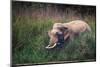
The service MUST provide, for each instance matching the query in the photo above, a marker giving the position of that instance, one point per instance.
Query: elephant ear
(63, 29)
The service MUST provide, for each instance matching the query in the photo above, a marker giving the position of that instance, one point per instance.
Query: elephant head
(57, 35)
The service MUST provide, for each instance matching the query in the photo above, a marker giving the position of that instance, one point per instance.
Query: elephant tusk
(49, 47)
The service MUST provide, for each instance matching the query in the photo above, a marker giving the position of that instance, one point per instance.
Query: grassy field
(31, 22)
(30, 39)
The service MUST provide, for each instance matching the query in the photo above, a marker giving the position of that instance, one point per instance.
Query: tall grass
(30, 38)
(30, 24)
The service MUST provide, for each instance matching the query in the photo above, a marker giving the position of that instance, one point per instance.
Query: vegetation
(30, 25)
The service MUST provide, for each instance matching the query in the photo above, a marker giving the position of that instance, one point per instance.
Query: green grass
(30, 39)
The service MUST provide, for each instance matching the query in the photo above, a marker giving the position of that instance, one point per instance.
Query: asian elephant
(62, 31)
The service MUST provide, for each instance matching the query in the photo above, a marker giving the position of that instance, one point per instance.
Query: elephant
(63, 31)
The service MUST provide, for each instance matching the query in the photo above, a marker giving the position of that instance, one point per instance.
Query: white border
(5, 33)
(85, 2)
